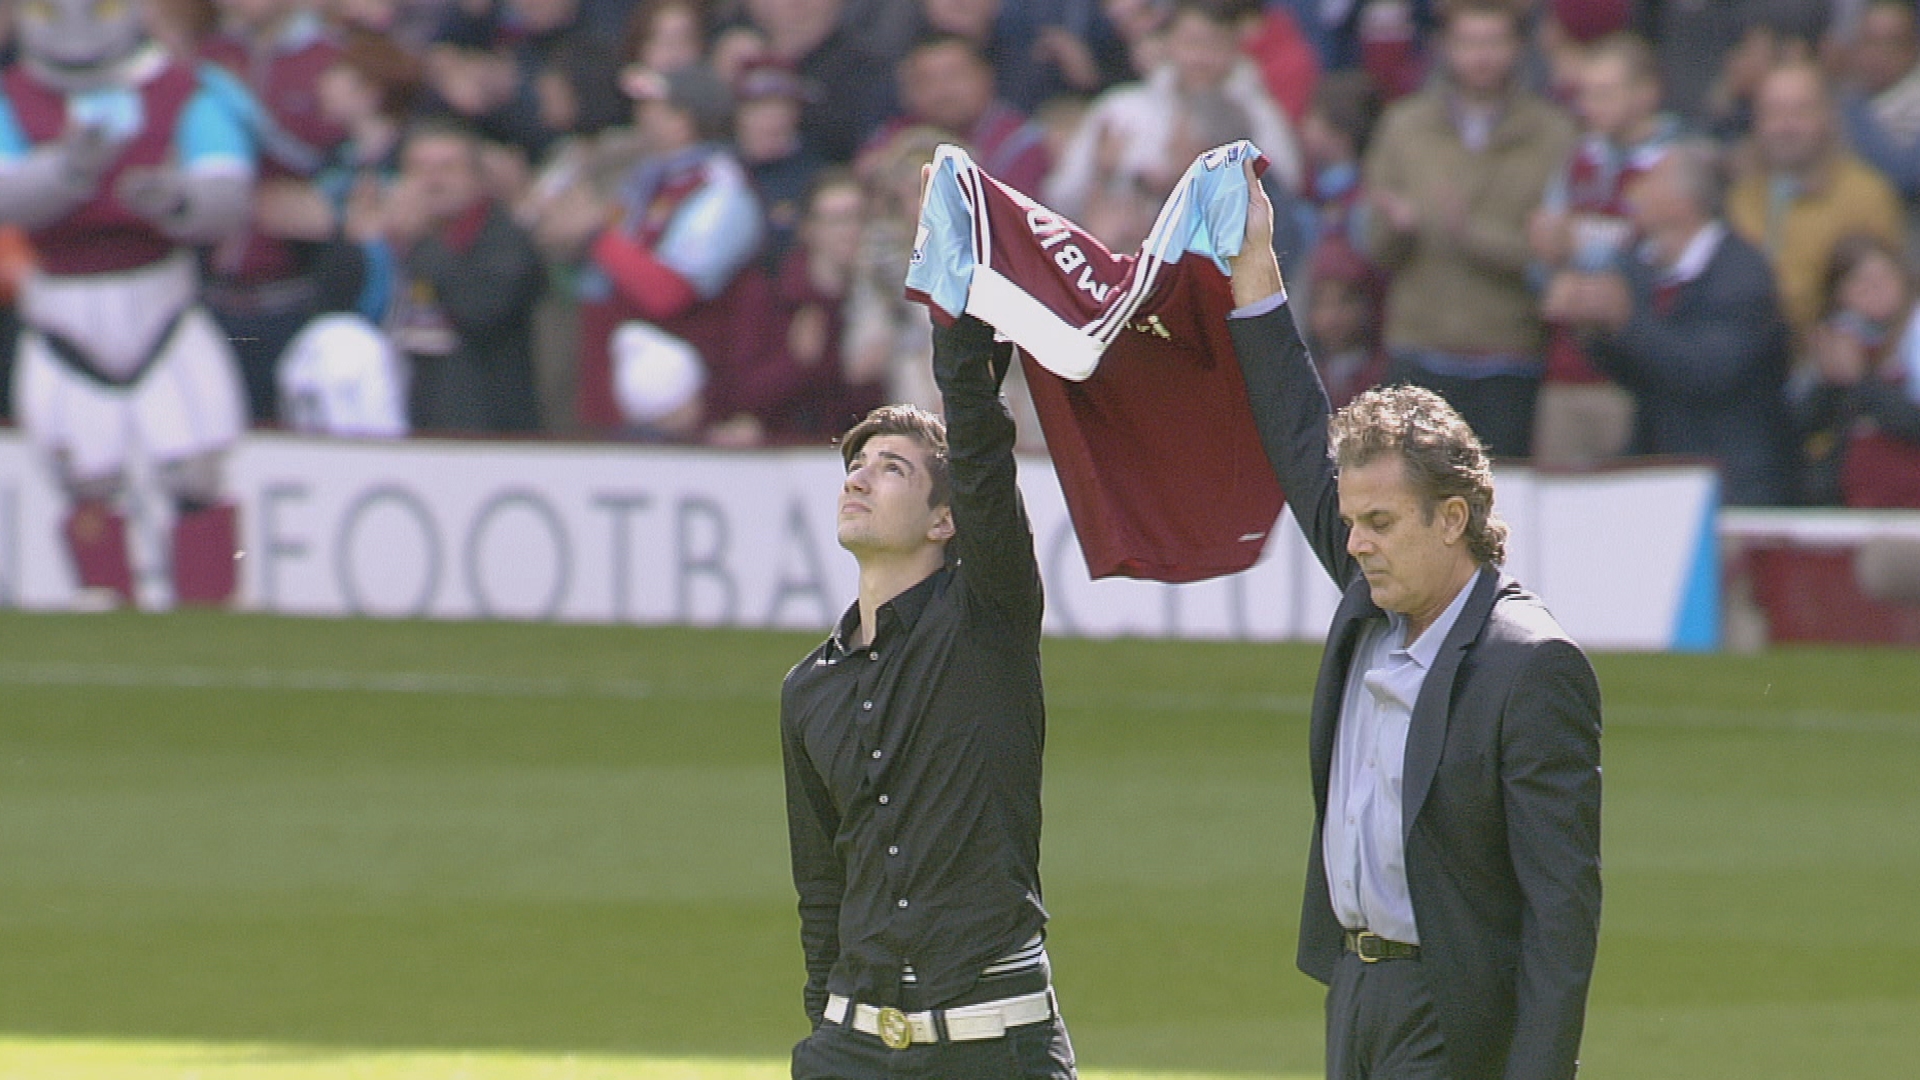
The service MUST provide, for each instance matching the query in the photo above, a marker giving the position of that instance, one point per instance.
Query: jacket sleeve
(1704, 353)
(818, 877)
(992, 535)
(1550, 778)
(1290, 411)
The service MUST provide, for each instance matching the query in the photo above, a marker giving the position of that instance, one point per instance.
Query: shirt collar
(1426, 647)
(904, 609)
(1695, 256)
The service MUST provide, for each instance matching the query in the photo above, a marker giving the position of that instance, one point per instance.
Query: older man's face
(1792, 120)
(1403, 545)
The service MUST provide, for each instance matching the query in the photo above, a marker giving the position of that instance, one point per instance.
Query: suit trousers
(1030, 1052)
(1381, 1023)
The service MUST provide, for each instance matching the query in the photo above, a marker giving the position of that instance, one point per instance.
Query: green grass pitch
(279, 849)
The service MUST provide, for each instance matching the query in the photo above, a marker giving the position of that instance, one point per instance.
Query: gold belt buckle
(894, 1029)
(1360, 942)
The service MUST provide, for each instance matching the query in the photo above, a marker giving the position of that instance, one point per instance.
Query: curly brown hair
(1442, 456)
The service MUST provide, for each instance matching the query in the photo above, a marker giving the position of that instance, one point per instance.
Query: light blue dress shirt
(1362, 842)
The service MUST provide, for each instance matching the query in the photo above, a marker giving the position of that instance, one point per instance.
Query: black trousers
(1499, 408)
(1032, 1052)
(1381, 1023)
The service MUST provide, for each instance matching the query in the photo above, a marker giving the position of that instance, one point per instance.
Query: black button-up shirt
(913, 764)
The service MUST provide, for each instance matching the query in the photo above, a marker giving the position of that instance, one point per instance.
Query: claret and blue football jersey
(1127, 357)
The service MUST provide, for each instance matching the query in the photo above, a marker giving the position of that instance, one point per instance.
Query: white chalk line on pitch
(177, 677)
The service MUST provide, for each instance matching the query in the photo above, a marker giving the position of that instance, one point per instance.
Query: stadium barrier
(650, 535)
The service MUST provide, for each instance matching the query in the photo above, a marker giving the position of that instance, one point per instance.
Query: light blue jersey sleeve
(1213, 222)
(713, 234)
(941, 268)
(14, 145)
(212, 131)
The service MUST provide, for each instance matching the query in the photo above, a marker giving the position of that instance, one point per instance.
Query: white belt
(967, 1023)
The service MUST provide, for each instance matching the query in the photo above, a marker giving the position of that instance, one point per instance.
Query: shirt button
(893, 849)
(883, 800)
(876, 755)
(875, 655)
(903, 901)
(866, 705)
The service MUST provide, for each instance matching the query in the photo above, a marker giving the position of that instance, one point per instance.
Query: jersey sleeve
(14, 144)
(713, 235)
(212, 134)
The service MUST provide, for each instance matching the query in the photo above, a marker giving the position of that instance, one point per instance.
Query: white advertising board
(613, 533)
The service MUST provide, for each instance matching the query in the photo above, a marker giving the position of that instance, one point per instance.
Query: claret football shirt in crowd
(1127, 357)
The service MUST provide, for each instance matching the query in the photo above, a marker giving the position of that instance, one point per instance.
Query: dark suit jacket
(1709, 372)
(1501, 788)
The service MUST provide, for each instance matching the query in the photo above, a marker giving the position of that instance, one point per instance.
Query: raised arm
(1290, 407)
(991, 533)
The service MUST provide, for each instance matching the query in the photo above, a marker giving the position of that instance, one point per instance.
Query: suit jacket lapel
(1427, 730)
(1356, 607)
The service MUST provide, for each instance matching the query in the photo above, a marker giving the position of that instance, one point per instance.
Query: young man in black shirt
(912, 741)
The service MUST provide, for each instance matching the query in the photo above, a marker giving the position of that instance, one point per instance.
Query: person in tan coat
(1802, 191)
(1454, 175)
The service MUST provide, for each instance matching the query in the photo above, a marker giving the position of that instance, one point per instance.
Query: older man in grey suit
(1453, 883)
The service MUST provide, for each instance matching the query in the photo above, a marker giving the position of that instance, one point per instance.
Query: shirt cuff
(1260, 307)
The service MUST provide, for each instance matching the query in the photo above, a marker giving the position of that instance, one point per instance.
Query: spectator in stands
(1691, 325)
(768, 98)
(1775, 33)
(1583, 417)
(688, 223)
(527, 72)
(1334, 139)
(258, 286)
(1697, 44)
(1141, 26)
(1859, 410)
(1565, 33)
(794, 383)
(366, 93)
(1039, 49)
(667, 35)
(1271, 36)
(1123, 142)
(947, 84)
(1343, 323)
(1881, 101)
(847, 98)
(1453, 178)
(1804, 189)
(469, 278)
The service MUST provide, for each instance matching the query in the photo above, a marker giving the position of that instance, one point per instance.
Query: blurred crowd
(1601, 228)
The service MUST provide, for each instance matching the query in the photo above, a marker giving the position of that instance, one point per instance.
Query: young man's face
(1481, 51)
(446, 167)
(884, 500)
(1613, 100)
(1403, 549)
